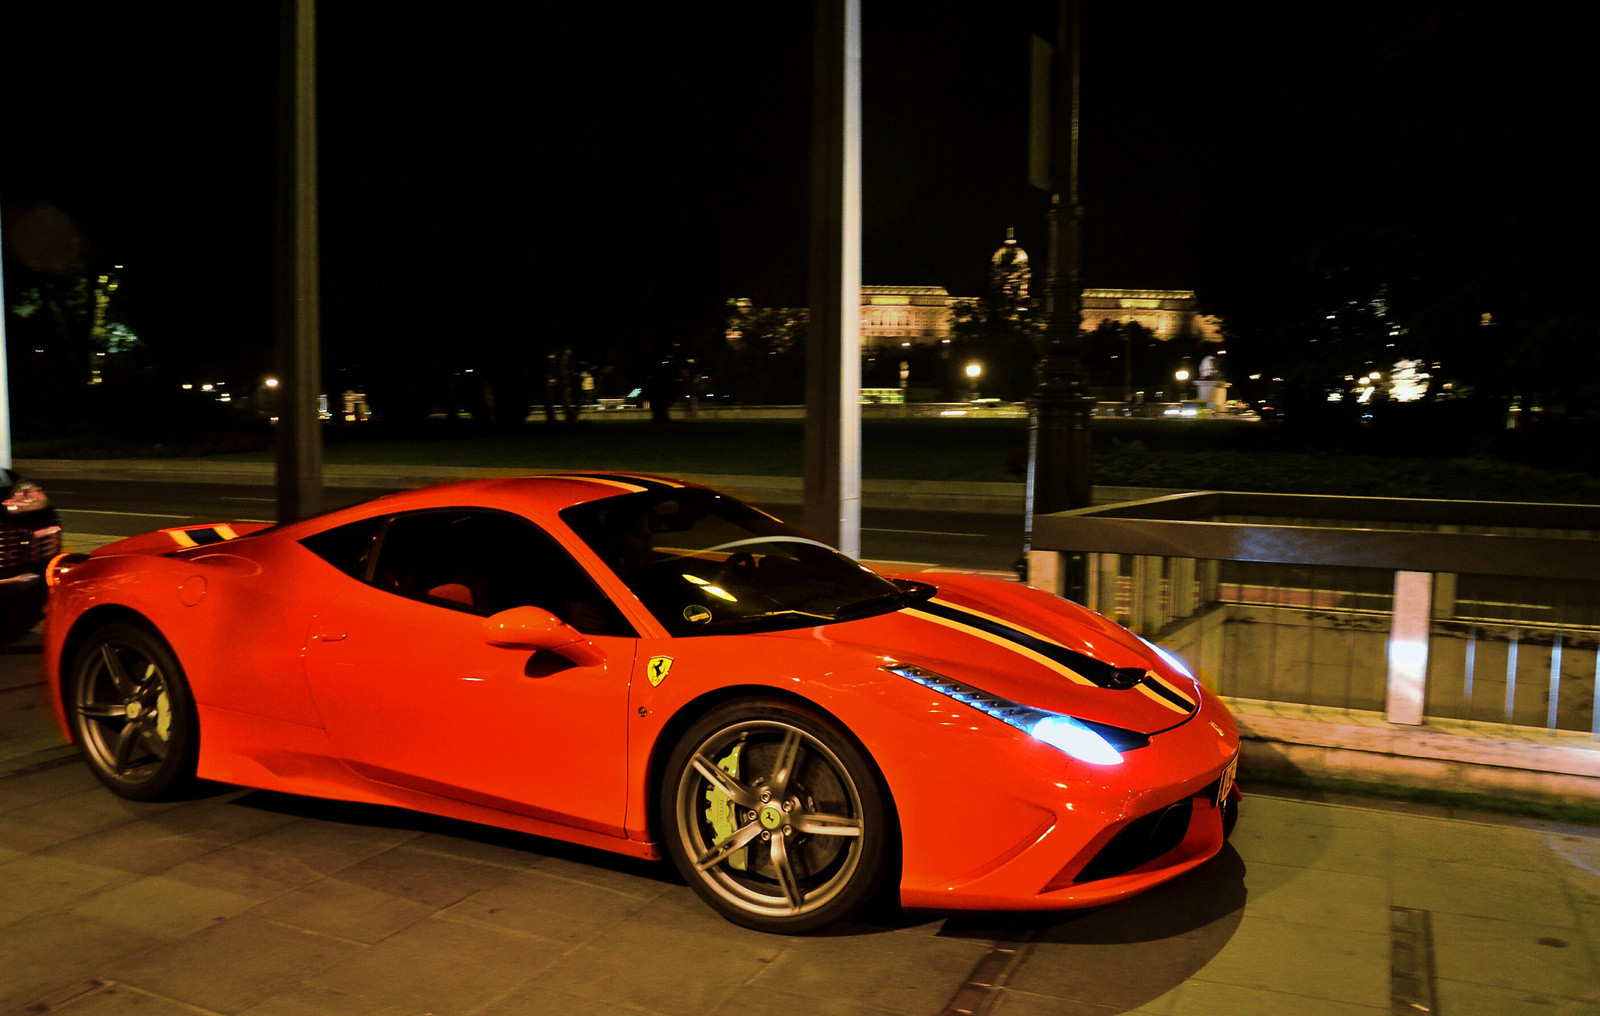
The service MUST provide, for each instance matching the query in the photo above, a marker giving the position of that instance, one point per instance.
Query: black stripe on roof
(1097, 671)
(204, 536)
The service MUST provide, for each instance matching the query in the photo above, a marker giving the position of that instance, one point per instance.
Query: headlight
(1175, 663)
(25, 497)
(1085, 741)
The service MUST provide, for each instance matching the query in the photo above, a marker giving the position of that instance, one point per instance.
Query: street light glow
(1182, 375)
(272, 382)
(974, 370)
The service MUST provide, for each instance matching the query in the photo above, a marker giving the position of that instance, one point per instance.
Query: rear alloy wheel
(774, 817)
(132, 714)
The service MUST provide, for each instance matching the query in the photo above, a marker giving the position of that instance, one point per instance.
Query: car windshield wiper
(770, 615)
(894, 599)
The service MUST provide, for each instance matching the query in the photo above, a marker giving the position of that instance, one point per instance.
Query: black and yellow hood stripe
(1077, 667)
(199, 536)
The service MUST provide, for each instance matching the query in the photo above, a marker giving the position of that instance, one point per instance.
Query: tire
(132, 714)
(775, 846)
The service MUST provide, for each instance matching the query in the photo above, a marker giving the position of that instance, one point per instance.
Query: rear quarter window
(347, 547)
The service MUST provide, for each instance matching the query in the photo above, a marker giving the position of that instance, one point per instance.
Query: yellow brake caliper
(719, 810)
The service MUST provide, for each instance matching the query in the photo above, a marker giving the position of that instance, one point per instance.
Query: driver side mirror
(533, 629)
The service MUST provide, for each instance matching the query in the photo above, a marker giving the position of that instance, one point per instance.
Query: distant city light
(187, 387)
(1182, 375)
(272, 382)
(974, 370)
(207, 388)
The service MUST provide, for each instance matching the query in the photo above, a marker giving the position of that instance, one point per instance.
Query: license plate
(1226, 783)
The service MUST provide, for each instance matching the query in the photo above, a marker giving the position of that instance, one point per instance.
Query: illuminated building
(1165, 313)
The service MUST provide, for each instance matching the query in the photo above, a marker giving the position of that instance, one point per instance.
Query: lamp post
(1060, 409)
(974, 372)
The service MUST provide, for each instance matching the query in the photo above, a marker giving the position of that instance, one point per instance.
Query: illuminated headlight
(25, 497)
(1172, 660)
(1073, 736)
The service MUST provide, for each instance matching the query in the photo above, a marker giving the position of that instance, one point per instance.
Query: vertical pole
(1058, 461)
(1408, 646)
(5, 383)
(833, 354)
(299, 349)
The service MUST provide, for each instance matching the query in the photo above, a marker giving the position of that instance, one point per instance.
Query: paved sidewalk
(252, 902)
(249, 902)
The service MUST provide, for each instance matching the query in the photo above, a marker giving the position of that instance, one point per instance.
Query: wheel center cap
(133, 710)
(770, 817)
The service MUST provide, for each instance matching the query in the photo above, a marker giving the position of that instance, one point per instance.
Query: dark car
(30, 536)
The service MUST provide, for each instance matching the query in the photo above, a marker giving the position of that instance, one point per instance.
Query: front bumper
(1126, 829)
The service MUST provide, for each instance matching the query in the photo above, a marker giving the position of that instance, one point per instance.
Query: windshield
(704, 563)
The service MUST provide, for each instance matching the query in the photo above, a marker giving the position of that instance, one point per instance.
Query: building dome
(1010, 255)
(1009, 274)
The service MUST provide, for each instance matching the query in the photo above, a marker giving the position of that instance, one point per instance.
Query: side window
(485, 562)
(347, 547)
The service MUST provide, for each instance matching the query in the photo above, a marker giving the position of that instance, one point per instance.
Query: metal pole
(299, 348)
(5, 383)
(1059, 412)
(832, 510)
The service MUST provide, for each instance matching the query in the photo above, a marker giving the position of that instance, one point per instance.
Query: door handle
(329, 636)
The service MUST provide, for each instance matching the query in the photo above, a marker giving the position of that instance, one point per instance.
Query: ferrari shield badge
(657, 669)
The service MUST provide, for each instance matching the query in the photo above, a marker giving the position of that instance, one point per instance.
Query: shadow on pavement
(385, 817)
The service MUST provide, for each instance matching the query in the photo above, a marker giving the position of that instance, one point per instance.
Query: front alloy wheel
(131, 712)
(774, 817)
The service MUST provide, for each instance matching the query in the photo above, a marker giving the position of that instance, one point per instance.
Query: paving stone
(1277, 810)
(535, 1000)
(653, 962)
(1205, 998)
(892, 972)
(233, 964)
(243, 870)
(440, 965)
(55, 951)
(1543, 958)
(1467, 997)
(1359, 850)
(1021, 1003)
(1333, 899)
(432, 880)
(552, 908)
(32, 885)
(139, 848)
(335, 907)
(306, 1000)
(328, 847)
(116, 999)
(1304, 959)
(160, 906)
(1117, 973)
(1487, 846)
(1512, 894)
(1576, 857)
(50, 784)
(767, 999)
(627, 875)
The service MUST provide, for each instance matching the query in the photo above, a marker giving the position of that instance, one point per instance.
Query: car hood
(1032, 648)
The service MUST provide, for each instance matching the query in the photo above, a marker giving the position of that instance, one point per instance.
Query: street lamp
(974, 371)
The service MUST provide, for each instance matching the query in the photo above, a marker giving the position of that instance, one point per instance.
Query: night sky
(491, 172)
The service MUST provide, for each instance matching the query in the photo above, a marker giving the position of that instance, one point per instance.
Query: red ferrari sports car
(652, 668)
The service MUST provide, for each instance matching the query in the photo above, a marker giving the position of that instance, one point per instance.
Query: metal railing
(1462, 610)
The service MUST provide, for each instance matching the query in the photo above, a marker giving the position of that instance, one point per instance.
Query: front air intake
(1140, 841)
